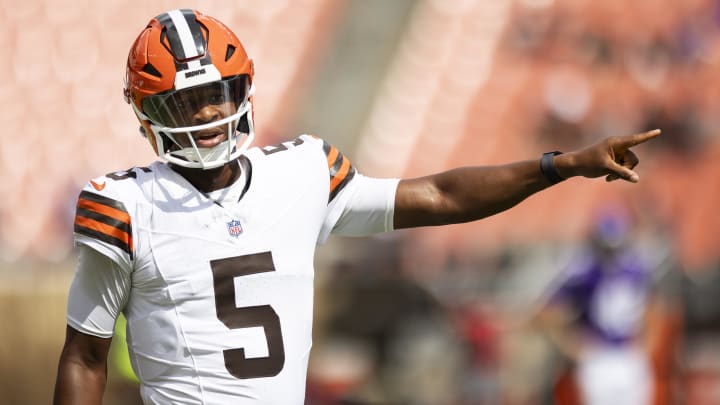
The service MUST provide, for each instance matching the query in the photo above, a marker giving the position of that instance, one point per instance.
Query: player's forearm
(79, 384)
(466, 194)
(479, 192)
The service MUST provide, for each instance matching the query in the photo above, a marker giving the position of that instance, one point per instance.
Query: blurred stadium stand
(405, 88)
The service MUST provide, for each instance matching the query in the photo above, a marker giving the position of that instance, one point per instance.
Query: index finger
(637, 139)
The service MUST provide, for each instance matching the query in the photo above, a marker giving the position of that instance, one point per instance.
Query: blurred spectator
(386, 341)
(701, 358)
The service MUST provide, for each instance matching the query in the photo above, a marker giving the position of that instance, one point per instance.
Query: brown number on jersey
(224, 272)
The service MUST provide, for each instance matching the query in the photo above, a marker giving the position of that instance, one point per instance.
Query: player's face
(211, 105)
(198, 106)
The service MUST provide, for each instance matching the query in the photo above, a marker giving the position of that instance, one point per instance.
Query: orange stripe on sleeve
(341, 174)
(106, 229)
(332, 156)
(111, 212)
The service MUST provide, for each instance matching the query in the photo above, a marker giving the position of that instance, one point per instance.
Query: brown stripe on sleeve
(111, 212)
(114, 207)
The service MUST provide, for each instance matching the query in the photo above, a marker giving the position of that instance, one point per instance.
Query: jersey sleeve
(357, 205)
(98, 293)
(103, 220)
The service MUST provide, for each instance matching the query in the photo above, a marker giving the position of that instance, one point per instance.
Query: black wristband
(547, 167)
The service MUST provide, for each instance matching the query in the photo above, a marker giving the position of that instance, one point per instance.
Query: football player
(208, 252)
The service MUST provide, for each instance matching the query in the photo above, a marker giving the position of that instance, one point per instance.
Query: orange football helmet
(182, 61)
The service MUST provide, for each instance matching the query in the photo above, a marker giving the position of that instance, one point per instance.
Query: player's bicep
(82, 370)
(419, 202)
(97, 295)
(84, 348)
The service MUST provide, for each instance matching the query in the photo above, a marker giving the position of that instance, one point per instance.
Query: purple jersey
(609, 293)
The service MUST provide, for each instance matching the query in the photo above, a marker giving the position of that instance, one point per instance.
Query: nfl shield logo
(234, 228)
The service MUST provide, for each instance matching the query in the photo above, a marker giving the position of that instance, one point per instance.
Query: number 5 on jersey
(224, 273)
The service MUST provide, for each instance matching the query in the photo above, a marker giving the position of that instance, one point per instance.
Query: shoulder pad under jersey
(340, 170)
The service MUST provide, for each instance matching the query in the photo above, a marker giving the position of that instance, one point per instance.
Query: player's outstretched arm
(470, 193)
(82, 372)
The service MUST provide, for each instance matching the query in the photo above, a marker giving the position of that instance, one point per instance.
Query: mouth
(208, 139)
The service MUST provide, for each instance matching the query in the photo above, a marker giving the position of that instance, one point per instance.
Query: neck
(210, 179)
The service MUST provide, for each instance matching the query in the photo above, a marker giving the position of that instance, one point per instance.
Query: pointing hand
(610, 157)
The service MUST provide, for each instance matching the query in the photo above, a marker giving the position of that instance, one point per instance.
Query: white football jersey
(220, 299)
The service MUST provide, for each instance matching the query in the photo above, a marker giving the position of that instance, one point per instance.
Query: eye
(180, 102)
(216, 98)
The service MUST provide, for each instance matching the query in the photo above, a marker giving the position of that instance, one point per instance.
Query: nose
(206, 114)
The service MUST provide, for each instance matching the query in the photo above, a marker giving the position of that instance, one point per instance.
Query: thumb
(622, 172)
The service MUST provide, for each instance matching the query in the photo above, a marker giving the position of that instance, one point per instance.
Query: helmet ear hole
(168, 143)
(243, 125)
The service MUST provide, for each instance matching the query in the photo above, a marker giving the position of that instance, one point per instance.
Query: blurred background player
(599, 317)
